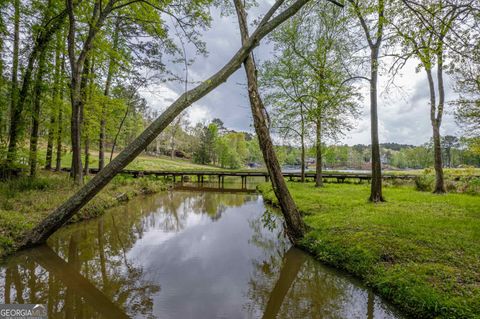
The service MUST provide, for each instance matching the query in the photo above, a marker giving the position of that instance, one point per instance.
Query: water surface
(183, 254)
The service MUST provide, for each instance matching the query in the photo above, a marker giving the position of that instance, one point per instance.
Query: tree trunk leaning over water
(295, 227)
(64, 212)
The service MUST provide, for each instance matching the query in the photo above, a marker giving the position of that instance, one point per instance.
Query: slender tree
(427, 41)
(374, 33)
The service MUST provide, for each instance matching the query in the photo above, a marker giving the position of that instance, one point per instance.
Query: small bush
(424, 183)
(472, 186)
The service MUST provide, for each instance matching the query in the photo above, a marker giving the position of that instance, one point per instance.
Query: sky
(404, 110)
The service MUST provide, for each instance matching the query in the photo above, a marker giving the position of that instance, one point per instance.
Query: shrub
(472, 186)
(424, 183)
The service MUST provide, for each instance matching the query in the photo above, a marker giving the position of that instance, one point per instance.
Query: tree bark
(295, 227)
(64, 212)
(58, 164)
(376, 185)
(87, 156)
(302, 142)
(374, 42)
(36, 114)
(318, 150)
(437, 148)
(56, 102)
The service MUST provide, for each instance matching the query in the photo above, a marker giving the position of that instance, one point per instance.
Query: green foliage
(26, 201)
(425, 182)
(419, 250)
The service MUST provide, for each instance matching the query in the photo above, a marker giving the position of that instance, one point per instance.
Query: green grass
(142, 162)
(25, 201)
(419, 250)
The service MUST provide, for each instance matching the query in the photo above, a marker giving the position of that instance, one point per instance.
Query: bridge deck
(219, 173)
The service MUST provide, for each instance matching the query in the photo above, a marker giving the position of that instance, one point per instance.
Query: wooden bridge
(184, 176)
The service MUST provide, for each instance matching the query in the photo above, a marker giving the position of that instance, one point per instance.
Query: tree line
(70, 75)
(312, 83)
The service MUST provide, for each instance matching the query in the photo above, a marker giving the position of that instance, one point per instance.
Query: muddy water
(183, 254)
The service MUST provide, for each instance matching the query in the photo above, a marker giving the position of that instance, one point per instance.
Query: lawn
(419, 250)
(142, 162)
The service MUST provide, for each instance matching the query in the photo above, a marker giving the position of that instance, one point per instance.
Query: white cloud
(403, 109)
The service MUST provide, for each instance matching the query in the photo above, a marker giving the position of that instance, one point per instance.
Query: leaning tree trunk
(376, 186)
(40, 233)
(36, 114)
(295, 227)
(318, 151)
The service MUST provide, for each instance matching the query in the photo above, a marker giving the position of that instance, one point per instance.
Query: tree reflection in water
(288, 283)
(223, 262)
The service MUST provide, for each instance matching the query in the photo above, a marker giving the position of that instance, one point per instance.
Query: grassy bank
(25, 201)
(419, 250)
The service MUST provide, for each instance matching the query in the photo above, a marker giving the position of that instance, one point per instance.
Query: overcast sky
(403, 109)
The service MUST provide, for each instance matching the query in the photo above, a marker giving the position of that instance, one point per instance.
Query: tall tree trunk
(108, 83)
(50, 140)
(76, 69)
(437, 148)
(439, 183)
(56, 101)
(78, 95)
(58, 164)
(302, 142)
(14, 88)
(376, 186)
(87, 155)
(295, 227)
(36, 114)
(318, 151)
(40, 233)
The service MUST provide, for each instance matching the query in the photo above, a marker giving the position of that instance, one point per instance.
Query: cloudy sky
(403, 108)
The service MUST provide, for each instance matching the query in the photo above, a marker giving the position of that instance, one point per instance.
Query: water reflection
(182, 255)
